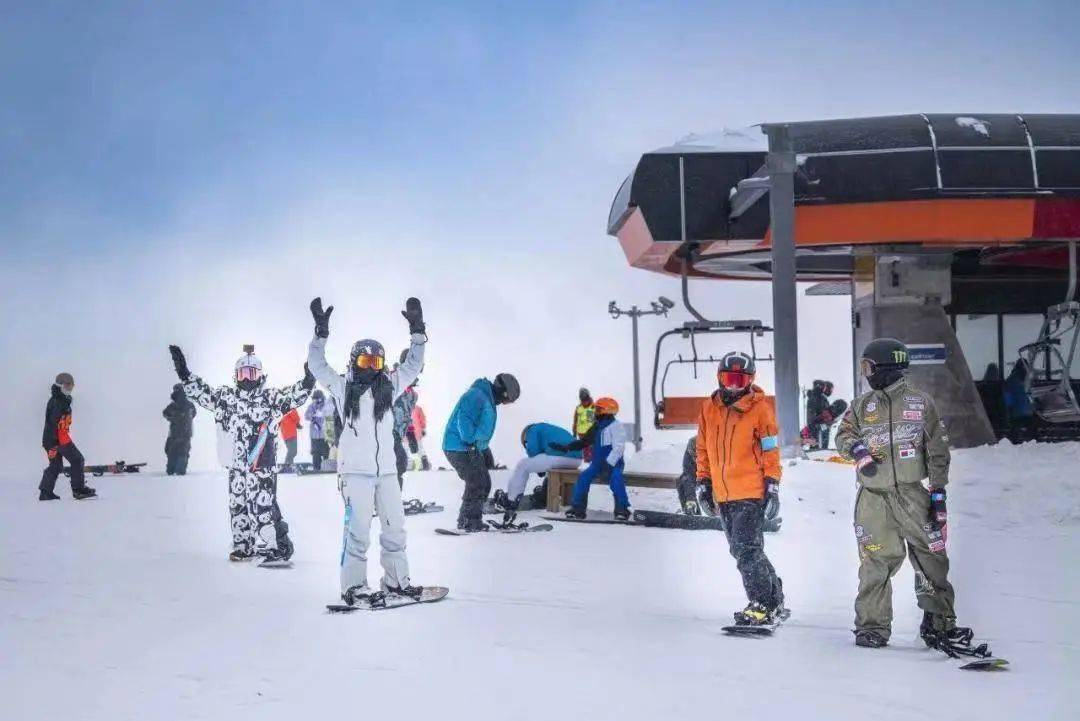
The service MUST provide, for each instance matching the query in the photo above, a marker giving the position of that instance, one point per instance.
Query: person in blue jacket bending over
(540, 457)
(466, 439)
(608, 439)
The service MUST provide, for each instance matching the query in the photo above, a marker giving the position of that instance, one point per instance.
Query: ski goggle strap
(365, 361)
(734, 379)
(248, 373)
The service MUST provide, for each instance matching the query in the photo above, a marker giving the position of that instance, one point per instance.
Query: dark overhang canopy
(964, 181)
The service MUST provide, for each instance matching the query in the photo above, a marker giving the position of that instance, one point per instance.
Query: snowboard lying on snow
(659, 519)
(499, 528)
(414, 507)
(115, 468)
(430, 594)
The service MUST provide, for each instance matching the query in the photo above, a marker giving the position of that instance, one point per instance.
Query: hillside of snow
(125, 607)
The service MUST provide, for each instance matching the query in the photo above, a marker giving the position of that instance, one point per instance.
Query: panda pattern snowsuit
(251, 419)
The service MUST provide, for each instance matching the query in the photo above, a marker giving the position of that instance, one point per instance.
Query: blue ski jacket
(539, 435)
(472, 422)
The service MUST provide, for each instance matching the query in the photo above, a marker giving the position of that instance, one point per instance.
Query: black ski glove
(178, 361)
(772, 498)
(560, 447)
(864, 462)
(415, 315)
(309, 379)
(322, 318)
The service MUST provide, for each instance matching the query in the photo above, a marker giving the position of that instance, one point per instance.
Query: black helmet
(369, 349)
(507, 389)
(884, 354)
(583, 394)
(736, 371)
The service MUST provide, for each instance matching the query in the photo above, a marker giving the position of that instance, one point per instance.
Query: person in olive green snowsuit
(896, 439)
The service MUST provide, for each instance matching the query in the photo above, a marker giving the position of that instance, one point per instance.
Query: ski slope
(126, 608)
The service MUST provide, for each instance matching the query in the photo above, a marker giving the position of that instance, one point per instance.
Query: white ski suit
(367, 469)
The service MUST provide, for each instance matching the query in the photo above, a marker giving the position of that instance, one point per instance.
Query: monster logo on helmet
(884, 361)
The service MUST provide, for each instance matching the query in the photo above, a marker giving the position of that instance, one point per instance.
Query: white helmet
(248, 368)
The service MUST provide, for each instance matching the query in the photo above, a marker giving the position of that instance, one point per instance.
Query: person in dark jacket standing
(465, 442)
(56, 440)
(179, 413)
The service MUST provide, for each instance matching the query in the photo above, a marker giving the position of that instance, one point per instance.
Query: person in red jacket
(290, 423)
(56, 440)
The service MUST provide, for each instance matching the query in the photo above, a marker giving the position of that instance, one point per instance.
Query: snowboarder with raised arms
(367, 466)
(895, 437)
(249, 413)
(738, 456)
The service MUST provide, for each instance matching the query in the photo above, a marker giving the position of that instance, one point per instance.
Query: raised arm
(409, 370)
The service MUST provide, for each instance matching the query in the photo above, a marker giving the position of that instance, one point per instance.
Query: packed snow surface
(125, 607)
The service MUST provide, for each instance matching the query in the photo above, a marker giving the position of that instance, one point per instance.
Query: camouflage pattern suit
(902, 430)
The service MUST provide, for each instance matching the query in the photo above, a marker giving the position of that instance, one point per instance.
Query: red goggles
(374, 362)
(734, 379)
(248, 373)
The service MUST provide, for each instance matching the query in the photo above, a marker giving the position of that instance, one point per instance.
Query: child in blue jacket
(608, 440)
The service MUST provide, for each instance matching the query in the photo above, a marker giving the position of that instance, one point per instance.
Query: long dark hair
(382, 392)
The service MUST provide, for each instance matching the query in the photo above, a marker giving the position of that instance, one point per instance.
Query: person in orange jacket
(290, 423)
(738, 457)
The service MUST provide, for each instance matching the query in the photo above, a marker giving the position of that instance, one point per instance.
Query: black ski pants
(177, 452)
(75, 459)
(744, 523)
(471, 468)
(401, 458)
(320, 449)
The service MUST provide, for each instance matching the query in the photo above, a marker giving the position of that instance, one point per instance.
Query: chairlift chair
(1050, 388)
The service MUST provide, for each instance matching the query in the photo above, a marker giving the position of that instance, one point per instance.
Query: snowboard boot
(286, 547)
(275, 558)
(576, 512)
(472, 525)
(500, 500)
(47, 496)
(356, 594)
(425, 464)
(933, 637)
(870, 639)
(240, 556)
(755, 614)
(413, 506)
(80, 494)
(622, 513)
(409, 591)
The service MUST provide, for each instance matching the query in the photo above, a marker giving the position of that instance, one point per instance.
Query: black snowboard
(597, 517)
(430, 594)
(762, 630)
(307, 469)
(114, 468)
(661, 519)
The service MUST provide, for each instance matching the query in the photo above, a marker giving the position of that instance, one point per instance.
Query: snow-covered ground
(126, 608)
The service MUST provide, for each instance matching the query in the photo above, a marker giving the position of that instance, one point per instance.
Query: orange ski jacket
(738, 446)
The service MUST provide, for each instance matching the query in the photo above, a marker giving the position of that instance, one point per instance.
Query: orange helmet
(606, 406)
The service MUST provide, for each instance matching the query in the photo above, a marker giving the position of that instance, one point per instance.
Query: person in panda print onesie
(249, 413)
(367, 465)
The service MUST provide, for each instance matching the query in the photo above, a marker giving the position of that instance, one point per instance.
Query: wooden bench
(561, 482)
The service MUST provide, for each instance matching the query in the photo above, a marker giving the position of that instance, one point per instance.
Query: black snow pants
(743, 523)
(75, 459)
(320, 449)
(471, 468)
(177, 452)
(401, 458)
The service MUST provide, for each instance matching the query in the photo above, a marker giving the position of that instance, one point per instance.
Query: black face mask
(382, 392)
(247, 385)
(882, 378)
(730, 396)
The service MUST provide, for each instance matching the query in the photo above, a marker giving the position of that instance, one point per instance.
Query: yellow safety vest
(583, 419)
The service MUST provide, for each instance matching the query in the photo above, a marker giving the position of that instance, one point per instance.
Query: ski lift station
(954, 233)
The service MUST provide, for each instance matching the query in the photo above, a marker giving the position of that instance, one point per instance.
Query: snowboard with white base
(429, 594)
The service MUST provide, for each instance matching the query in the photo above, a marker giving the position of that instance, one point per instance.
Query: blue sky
(170, 169)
